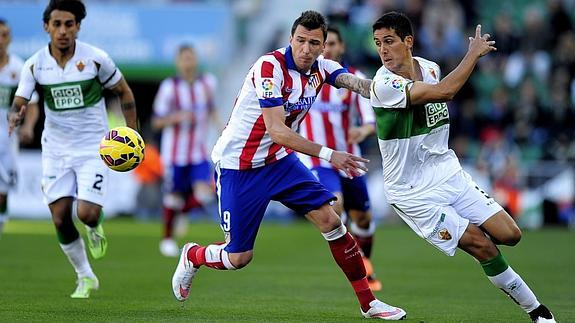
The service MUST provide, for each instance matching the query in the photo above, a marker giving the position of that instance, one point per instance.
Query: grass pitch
(291, 279)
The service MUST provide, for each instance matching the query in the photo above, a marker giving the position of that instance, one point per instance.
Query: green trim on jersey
(410, 122)
(72, 95)
(7, 95)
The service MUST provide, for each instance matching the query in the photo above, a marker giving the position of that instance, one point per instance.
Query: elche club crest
(80, 65)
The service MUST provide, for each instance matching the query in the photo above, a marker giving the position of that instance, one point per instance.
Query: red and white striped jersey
(330, 117)
(272, 81)
(185, 143)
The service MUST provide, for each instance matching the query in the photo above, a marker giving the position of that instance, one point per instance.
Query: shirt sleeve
(390, 91)
(108, 74)
(332, 70)
(268, 80)
(211, 84)
(27, 81)
(164, 98)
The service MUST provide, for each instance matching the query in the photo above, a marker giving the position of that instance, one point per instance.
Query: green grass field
(292, 278)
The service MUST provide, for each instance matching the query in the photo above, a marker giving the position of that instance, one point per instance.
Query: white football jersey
(75, 111)
(413, 139)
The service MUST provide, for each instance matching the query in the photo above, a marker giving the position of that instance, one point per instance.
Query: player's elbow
(277, 135)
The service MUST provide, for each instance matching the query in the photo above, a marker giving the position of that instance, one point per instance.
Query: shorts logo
(68, 97)
(444, 234)
(437, 227)
(267, 86)
(435, 112)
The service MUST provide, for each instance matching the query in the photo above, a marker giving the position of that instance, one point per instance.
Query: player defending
(255, 163)
(330, 122)
(71, 76)
(182, 109)
(423, 179)
(10, 67)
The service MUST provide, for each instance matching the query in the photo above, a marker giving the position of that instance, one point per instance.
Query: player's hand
(350, 164)
(480, 45)
(15, 118)
(26, 134)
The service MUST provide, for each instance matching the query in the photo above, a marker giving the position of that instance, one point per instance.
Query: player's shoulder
(429, 68)
(15, 60)
(275, 57)
(383, 74)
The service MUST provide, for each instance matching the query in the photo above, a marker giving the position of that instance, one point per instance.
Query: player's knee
(90, 214)
(240, 260)
(513, 237)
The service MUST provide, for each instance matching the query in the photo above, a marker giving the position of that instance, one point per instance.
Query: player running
(331, 123)
(71, 76)
(423, 179)
(10, 67)
(183, 108)
(255, 163)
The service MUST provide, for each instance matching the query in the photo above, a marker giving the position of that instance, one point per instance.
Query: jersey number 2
(98, 183)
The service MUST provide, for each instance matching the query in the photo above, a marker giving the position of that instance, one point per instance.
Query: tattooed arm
(354, 83)
(122, 89)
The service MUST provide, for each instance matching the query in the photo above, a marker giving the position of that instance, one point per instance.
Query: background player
(331, 122)
(183, 107)
(71, 76)
(255, 163)
(424, 181)
(10, 67)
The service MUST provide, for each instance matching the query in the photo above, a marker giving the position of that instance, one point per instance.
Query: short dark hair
(76, 7)
(335, 30)
(185, 47)
(396, 21)
(3, 22)
(311, 20)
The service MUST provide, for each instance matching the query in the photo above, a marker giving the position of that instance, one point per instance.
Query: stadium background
(511, 127)
(511, 123)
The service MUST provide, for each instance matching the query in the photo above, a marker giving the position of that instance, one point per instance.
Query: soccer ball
(122, 149)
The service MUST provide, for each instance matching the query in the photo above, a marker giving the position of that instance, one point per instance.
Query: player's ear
(408, 41)
(46, 27)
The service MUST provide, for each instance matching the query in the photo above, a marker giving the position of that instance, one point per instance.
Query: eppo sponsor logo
(68, 97)
(303, 104)
(435, 112)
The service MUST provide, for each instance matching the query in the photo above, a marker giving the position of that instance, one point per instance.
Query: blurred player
(10, 67)
(331, 123)
(72, 75)
(183, 107)
(423, 180)
(255, 163)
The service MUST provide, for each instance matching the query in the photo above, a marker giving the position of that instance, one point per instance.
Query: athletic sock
(76, 253)
(348, 257)
(503, 276)
(213, 256)
(364, 237)
(168, 216)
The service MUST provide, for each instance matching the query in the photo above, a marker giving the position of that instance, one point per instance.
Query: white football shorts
(442, 214)
(7, 171)
(83, 178)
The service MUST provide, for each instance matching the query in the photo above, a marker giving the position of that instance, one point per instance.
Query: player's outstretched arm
(281, 134)
(16, 113)
(445, 90)
(354, 83)
(122, 89)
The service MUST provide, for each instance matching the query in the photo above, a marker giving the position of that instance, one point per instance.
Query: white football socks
(514, 286)
(76, 253)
